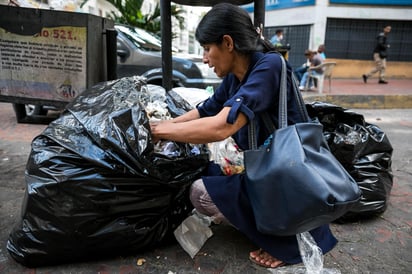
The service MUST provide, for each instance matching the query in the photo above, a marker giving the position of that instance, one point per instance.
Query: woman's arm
(198, 131)
(188, 116)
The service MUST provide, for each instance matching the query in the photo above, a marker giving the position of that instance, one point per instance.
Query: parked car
(139, 53)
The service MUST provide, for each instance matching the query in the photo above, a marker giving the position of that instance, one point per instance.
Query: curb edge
(364, 101)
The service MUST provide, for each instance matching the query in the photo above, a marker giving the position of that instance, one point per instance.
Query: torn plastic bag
(364, 150)
(97, 186)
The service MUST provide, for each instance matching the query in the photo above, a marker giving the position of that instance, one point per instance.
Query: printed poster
(50, 64)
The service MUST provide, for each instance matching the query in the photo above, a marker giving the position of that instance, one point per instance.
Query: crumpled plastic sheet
(312, 258)
(364, 150)
(96, 184)
(227, 155)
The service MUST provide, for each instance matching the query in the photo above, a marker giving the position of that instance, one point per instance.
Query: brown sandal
(262, 255)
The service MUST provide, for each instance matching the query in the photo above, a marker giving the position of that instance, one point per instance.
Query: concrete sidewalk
(353, 93)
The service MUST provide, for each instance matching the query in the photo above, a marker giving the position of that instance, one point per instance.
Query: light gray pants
(380, 66)
(203, 203)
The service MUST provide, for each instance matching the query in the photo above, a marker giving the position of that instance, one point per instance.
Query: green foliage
(131, 14)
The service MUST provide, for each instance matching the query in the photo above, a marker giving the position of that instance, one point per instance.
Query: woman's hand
(156, 126)
(197, 131)
(154, 130)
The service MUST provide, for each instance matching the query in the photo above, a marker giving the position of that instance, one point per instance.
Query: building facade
(348, 29)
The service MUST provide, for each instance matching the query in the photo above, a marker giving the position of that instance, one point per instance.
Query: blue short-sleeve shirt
(257, 93)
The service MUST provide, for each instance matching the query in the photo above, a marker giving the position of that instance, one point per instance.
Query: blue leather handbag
(295, 183)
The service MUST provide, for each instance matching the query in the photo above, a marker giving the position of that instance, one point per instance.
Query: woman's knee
(197, 191)
(203, 203)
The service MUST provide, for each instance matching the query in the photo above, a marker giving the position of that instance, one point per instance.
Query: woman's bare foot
(264, 259)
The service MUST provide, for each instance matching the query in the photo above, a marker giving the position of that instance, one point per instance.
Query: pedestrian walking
(379, 55)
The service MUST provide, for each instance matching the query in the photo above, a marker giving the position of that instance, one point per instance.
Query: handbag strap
(299, 100)
(283, 95)
(270, 126)
(283, 116)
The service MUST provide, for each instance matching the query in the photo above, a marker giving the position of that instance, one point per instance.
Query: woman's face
(218, 57)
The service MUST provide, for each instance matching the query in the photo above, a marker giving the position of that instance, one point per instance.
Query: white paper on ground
(192, 233)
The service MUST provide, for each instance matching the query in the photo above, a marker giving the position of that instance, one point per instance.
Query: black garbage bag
(365, 152)
(96, 184)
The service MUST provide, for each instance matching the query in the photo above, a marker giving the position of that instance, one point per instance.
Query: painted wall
(355, 68)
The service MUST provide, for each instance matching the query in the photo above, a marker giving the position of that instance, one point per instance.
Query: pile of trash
(97, 185)
(366, 153)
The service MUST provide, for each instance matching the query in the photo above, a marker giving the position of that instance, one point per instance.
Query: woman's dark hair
(229, 19)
